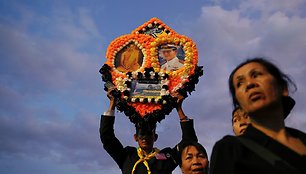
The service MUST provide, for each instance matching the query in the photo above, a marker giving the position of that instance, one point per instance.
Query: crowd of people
(261, 142)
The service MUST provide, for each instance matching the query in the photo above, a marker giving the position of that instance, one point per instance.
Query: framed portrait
(129, 58)
(171, 57)
(146, 88)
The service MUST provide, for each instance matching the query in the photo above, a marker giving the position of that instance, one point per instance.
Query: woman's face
(193, 161)
(256, 88)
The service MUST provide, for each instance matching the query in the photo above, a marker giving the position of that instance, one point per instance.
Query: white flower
(165, 82)
(163, 92)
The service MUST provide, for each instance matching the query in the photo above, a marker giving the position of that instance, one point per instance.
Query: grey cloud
(227, 37)
(67, 142)
(266, 8)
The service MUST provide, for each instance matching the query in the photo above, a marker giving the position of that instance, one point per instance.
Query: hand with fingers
(179, 102)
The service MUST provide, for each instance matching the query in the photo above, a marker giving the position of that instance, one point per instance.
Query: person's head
(168, 51)
(145, 136)
(131, 46)
(258, 84)
(193, 158)
(240, 121)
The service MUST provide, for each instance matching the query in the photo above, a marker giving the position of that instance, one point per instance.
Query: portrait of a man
(169, 54)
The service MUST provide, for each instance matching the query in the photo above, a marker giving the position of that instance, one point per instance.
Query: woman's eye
(188, 157)
(202, 156)
(256, 74)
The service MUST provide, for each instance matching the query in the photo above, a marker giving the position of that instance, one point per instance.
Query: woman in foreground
(267, 146)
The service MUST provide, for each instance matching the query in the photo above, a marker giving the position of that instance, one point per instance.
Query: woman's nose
(196, 160)
(250, 84)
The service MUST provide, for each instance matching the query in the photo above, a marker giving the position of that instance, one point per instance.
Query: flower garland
(180, 76)
(148, 38)
(154, 23)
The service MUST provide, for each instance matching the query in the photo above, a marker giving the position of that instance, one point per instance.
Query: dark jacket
(230, 156)
(126, 157)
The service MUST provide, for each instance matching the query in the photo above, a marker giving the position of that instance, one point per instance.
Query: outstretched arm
(188, 132)
(179, 108)
(110, 143)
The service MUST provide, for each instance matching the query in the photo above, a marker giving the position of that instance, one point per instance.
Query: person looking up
(240, 121)
(194, 158)
(261, 89)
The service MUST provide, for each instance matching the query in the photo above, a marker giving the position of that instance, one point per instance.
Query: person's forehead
(191, 150)
(145, 132)
(167, 50)
(247, 69)
(238, 112)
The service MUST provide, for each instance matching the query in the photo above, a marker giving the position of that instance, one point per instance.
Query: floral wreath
(142, 87)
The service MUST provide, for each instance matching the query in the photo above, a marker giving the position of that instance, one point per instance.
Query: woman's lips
(198, 170)
(254, 96)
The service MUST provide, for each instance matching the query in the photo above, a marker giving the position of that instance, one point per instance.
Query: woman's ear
(285, 91)
(135, 137)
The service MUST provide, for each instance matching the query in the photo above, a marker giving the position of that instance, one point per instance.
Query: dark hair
(145, 128)
(282, 79)
(183, 145)
(233, 112)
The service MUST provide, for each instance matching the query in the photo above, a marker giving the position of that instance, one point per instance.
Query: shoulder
(130, 150)
(226, 140)
(227, 144)
(166, 150)
(297, 133)
(224, 155)
(169, 152)
(176, 60)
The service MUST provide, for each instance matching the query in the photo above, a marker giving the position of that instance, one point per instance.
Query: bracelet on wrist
(185, 119)
(109, 113)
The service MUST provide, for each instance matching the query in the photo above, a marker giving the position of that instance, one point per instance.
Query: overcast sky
(51, 93)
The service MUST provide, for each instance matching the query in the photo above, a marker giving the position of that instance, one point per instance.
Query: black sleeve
(110, 143)
(223, 156)
(188, 132)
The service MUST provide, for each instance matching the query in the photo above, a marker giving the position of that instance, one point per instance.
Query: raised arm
(187, 128)
(110, 143)
(188, 132)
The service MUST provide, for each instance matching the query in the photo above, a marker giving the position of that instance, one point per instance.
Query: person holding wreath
(145, 158)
